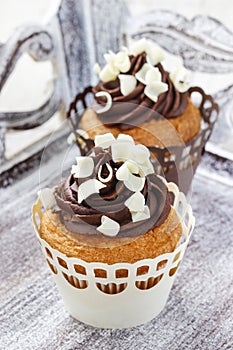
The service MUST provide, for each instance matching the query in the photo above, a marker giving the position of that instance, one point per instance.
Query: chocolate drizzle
(170, 104)
(84, 218)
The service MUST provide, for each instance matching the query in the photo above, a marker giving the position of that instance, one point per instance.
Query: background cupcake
(153, 95)
(138, 97)
(113, 227)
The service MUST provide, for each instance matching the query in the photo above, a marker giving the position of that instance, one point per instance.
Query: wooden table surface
(199, 311)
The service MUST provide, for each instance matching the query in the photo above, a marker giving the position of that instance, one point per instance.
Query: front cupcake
(139, 96)
(112, 234)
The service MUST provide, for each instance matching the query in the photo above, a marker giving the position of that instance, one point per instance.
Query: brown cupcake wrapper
(176, 163)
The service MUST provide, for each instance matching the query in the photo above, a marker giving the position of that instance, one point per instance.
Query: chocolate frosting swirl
(170, 104)
(84, 218)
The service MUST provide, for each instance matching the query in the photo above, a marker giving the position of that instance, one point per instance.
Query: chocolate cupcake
(136, 96)
(140, 96)
(112, 224)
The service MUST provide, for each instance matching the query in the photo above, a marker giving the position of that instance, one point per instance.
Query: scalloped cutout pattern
(122, 277)
(111, 288)
(173, 270)
(52, 267)
(149, 283)
(75, 282)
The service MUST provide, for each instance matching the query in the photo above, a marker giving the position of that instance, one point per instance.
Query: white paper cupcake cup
(113, 302)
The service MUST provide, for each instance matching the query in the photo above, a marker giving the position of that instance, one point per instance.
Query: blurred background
(31, 83)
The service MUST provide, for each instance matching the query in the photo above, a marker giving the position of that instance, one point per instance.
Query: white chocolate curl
(127, 83)
(109, 57)
(121, 151)
(136, 202)
(105, 140)
(116, 63)
(138, 47)
(108, 227)
(146, 168)
(141, 74)
(108, 73)
(140, 153)
(154, 54)
(47, 198)
(126, 138)
(108, 178)
(119, 62)
(180, 77)
(127, 168)
(122, 61)
(88, 188)
(151, 77)
(154, 90)
(132, 166)
(148, 74)
(136, 160)
(141, 215)
(134, 183)
(84, 167)
(122, 173)
(108, 104)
